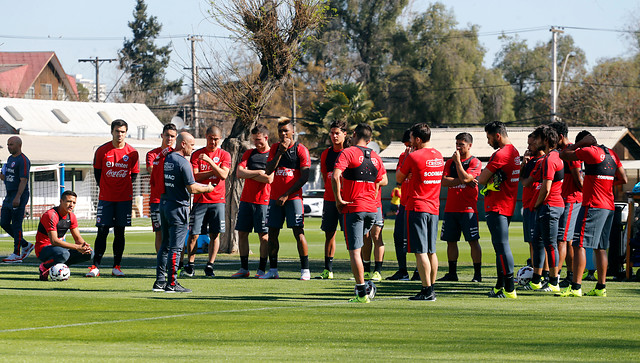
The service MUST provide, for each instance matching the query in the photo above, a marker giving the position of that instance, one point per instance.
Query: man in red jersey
(356, 180)
(532, 160)
(155, 161)
(330, 214)
(603, 170)
(252, 212)
(425, 167)
(51, 249)
(572, 196)
(290, 162)
(548, 208)
(210, 165)
(461, 208)
(115, 166)
(503, 171)
(373, 242)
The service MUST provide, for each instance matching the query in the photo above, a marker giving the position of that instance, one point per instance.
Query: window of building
(31, 93)
(46, 91)
(62, 94)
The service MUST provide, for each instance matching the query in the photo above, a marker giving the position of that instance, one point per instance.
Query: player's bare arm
(197, 188)
(336, 186)
(485, 176)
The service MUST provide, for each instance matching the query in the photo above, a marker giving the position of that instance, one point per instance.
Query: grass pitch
(120, 319)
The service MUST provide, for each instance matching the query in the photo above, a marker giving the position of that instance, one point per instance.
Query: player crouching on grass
(357, 178)
(51, 249)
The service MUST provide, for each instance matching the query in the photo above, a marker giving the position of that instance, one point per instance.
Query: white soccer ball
(524, 275)
(60, 272)
(370, 289)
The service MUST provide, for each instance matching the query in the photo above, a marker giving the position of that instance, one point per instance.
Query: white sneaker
(93, 271)
(305, 274)
(26, 251)
(117, 272)
(271, 274)
(12, 258)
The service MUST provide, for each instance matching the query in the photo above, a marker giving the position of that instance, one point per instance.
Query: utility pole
(96, 62)
(294, 108)
(194, 82)
(554, 71)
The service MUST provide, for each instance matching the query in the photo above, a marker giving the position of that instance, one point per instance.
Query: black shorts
(252, 217)
(330, 217)
(113, 214)
(456, 224)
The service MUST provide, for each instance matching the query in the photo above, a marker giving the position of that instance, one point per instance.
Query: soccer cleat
(242, 273)
(376, 276)
(93, 271)
(259, 273)
(188, 270)
(532, 286)
(26, 251)
(117, 271)
(476, 279)
(360, 299)
(208, 271)
(158, 286)
(271, 274)
(44, 273)
(564, 283)
(424, 297)
(553, 288)
(597, 292)
(416, 276)
(569, 292)
(510, 295)
(399, 275)
(176, 287)
(448, 277)
(325, 275)
(367, 275)
(305, 274)
(496, 293)
(12, 258)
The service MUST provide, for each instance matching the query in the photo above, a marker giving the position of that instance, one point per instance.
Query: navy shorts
(292, 211)
(356, 225)
(528, 223)
(399, 229)
(154, 212)
(567, 223)
(546, 226)
(422, 232)
(593, 228)
(252, 217)
(330, 217)
(455, 224)
(207, 217)
(113, 214)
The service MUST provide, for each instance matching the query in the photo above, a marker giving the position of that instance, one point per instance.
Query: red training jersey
(222, 159)
(506, 159)
(327, 164)
(530, 194)
(552, 168)
(116, 167)
(361, 170)
(570, 192)
(253, 190)
(404, 187)
(462, 198)
(287, 171)
(600, 165)
(51, 221)
(426, 167)
(155, 158)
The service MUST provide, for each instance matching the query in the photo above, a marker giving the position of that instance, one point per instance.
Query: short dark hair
(546, 133)
(582, 134)
(213, 129)
(560, 127)
(340, 124)
(260, 129)
(362, 132)
(495, 127)
(406, 137)
(283, 121)
(118, 123)
(465, 136)
(422, 131)
(168, 127)
(68, 192)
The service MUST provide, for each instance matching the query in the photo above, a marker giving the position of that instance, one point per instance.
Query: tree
(275, 31)
(145, 62)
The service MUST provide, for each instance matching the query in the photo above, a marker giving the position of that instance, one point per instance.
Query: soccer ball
(524, 275)
(370, 289)
(60, 272)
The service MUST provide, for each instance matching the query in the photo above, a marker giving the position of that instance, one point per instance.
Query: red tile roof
(27, 65)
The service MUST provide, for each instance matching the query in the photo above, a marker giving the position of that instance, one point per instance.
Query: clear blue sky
(77, 29)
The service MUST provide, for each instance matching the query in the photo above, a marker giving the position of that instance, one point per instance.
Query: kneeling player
(51, 249)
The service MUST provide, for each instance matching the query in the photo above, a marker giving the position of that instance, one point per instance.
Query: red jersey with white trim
(287, 171)
(51, 221)
(503, 202)
(327, 164)
(116, 166)
(599, 169)
(360, 176)
(155, 158)
(570, 192)
(222, 159)
(462, 198)
(530, 194)
(254, 191)
(426, 167)
(404, 187)
(552, 168)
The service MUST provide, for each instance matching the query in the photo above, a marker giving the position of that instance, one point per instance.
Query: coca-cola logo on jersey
(434, 163)
(116, 173)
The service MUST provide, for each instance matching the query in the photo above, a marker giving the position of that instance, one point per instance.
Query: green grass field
(109, 319)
